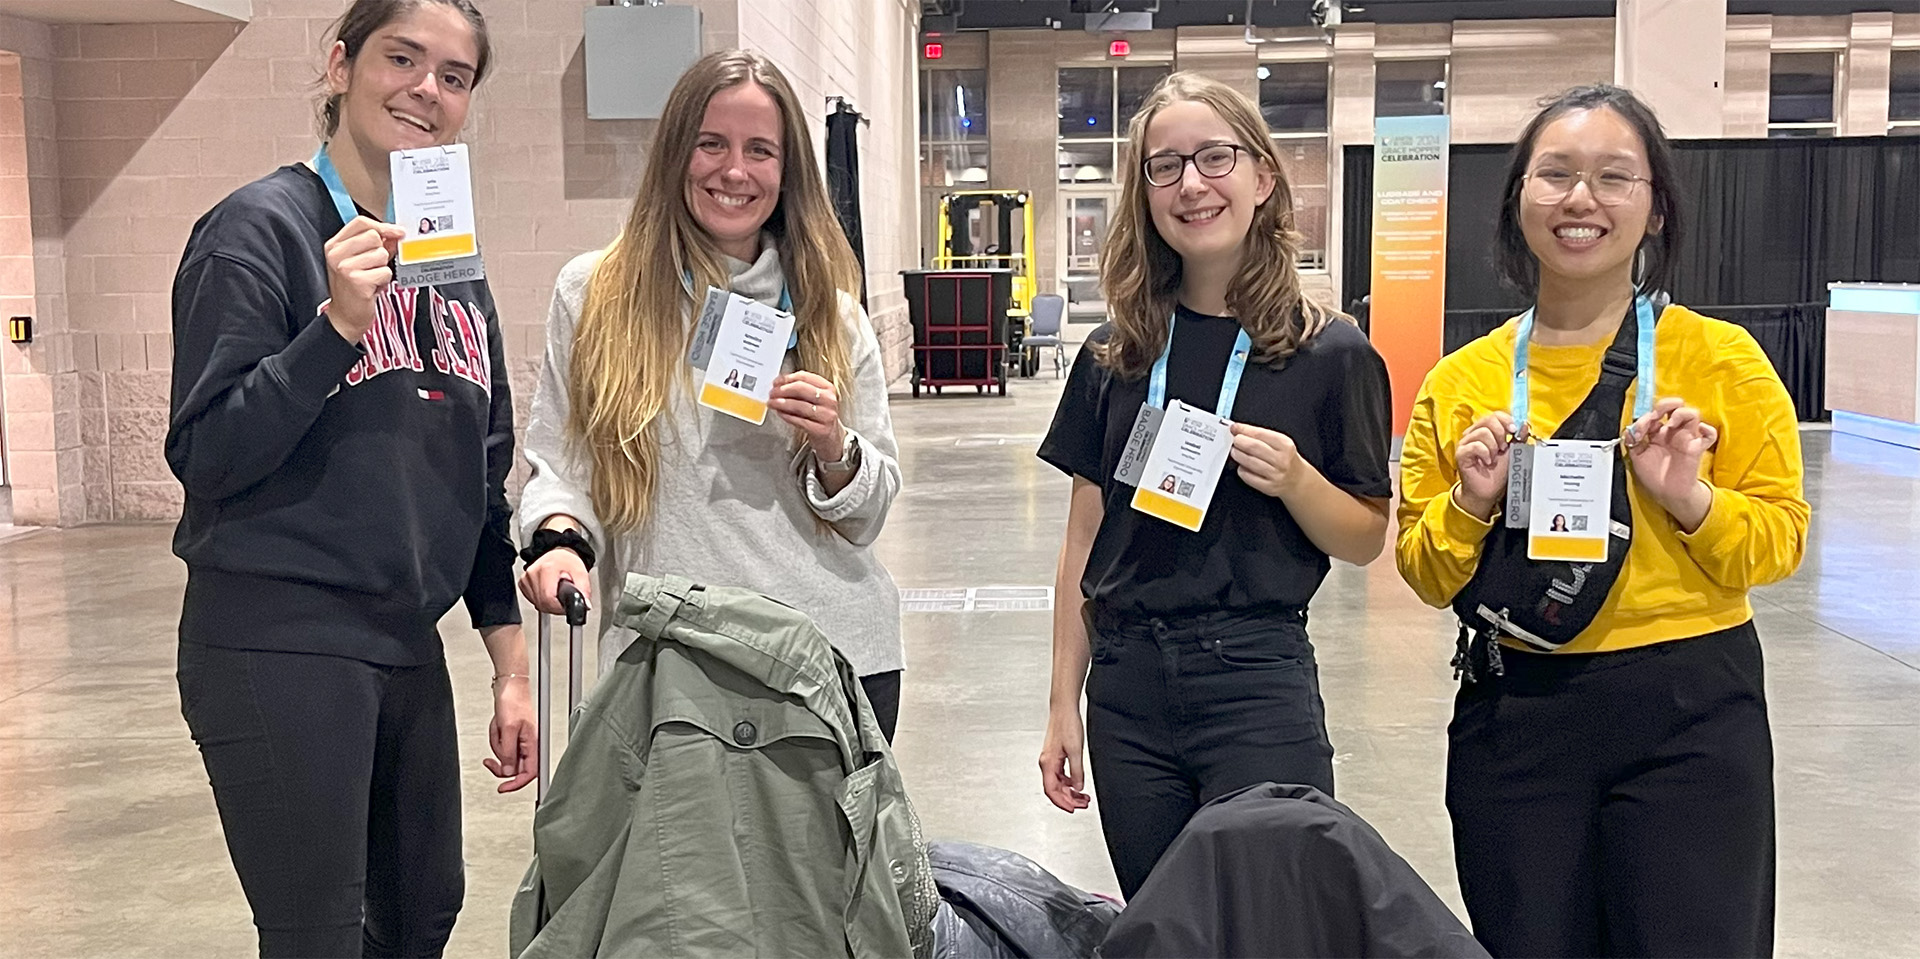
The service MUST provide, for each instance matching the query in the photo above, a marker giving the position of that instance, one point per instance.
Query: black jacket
(997, 904)
(339, 497)
(1285, 871)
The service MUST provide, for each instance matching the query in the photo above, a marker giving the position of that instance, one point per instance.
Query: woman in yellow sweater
(1610, 767)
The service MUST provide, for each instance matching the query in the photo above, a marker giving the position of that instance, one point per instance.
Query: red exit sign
(1119, 48)
(934, 51)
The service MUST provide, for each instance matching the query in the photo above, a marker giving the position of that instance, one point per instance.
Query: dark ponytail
(365, 17)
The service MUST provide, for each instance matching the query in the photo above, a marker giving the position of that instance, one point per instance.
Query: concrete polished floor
(109, 845)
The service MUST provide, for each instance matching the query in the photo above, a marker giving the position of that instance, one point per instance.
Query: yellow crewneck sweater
(1675, 585)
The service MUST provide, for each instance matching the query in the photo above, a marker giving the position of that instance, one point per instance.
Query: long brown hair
(629, 350)
(1140, 273)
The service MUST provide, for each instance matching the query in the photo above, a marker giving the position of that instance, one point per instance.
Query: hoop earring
(1639, 268)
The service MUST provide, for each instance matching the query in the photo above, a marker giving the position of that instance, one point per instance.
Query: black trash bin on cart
(959, 327)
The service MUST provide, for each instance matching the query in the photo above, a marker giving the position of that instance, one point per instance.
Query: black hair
(1515, 262)
(365, 17)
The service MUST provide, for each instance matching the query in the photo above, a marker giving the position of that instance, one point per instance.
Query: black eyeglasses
(1213, 162)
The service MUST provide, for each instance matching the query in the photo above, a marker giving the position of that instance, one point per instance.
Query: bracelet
(547, 540)
(497, 679)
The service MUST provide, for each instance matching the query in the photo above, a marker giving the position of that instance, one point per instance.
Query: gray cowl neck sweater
(735, 504)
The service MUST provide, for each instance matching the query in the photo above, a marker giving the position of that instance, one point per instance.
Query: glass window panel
(954, 105)
(1086, 162)
(1778, 132)
(1135, 83)
(1086, 102)
(1903, 102)
(1304, 161)
(1293, 96)
(954, 164)
(1802, 88)
(1086, 232)
(1409, 88)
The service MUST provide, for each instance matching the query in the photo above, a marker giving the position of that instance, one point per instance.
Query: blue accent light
(1877, 428)
(1875, 300)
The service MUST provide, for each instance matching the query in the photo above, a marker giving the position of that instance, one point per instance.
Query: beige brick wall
(131, 132)
(39, 385)
(151, 124)
(863, 50)
(1501, 68)
(1022, 94)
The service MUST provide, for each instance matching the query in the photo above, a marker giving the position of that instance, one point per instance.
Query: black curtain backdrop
(843, 182)
(1794, 337)
(1769, 224)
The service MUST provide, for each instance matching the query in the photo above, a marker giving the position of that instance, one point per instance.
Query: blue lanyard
(786, 305)
(323, 165)
(1229, 384)
(1642, 394)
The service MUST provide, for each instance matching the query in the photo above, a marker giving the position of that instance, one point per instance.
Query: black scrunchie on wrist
(546, 540)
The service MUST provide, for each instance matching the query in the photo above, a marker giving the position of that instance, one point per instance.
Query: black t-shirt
(1331, 398)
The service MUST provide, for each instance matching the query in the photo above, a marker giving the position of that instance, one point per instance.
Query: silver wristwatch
(849, 458)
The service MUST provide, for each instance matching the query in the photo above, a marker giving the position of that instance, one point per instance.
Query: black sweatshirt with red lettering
(340, 497)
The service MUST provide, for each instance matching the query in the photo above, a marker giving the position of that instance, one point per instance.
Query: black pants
(1181, 712)
(1617, 804)
(883, 694)
(338, 787)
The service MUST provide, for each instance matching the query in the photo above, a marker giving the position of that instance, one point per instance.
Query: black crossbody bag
(1544, 604)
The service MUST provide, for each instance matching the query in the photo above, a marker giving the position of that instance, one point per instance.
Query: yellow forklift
(993, 229)
(990, 229)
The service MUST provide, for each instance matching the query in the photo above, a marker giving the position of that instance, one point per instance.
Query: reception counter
(1873, 361)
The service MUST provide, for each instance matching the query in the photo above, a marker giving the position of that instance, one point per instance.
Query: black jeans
(883, 694)
(1183, 711)
(1617, 804)
(339, 791)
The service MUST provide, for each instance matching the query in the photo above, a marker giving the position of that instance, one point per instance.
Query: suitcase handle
(575, 603)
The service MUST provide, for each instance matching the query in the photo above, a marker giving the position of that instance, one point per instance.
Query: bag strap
(1622, 362)
(1598, 415)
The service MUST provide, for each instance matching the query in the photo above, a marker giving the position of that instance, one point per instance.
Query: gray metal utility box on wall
(634, 54)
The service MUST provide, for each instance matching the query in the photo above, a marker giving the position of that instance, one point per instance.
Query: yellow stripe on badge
(733, 404)
(1154, 503)
(429, 248)
(1571, 549)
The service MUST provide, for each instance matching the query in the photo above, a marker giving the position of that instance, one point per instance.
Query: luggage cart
(575, 604)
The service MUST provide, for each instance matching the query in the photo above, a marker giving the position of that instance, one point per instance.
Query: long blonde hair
(1140, 273)
(629, 351)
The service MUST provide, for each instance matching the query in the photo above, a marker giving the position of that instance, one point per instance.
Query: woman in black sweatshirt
(344, 444)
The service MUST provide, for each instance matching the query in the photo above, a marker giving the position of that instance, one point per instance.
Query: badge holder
(733, 345)
(1571, 500)
(1176, 480)
(433, 202)
(1175, 452)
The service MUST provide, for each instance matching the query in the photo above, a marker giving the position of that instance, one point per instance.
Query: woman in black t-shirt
(1202, 679)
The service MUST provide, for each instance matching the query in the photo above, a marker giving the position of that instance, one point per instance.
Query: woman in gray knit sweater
(630, 471)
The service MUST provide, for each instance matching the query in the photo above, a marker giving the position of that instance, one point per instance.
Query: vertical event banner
(1409, 251)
